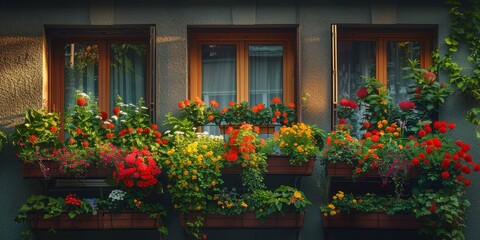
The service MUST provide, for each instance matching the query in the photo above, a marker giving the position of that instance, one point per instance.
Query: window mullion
(381, 70)
(103, 77)
(242, 72)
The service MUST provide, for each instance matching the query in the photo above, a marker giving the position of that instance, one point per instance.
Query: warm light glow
(44, 72)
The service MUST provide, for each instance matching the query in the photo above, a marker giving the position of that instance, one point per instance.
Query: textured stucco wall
(21, 74)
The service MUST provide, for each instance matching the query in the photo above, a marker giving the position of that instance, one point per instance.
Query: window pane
(127, 72)
(356, 59)
(81, 70)
(398, 54)
(219, 73)
(265, 72)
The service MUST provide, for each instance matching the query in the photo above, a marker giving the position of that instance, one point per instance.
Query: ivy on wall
(464, 33)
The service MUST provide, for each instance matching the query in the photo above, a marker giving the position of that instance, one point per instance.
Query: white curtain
(81, 71)
(127, 72)
(265, 66)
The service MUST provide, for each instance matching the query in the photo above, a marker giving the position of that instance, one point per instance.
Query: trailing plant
(464, 35)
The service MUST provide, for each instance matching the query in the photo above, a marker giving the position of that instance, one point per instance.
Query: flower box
(345, 170)
(263, 129)
(279, 165)
(372, 220)
(245, 220)
(103, 220)
(33, 170)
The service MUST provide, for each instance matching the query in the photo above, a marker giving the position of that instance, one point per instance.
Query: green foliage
(37, 135)
(464, 33)
(3, 139)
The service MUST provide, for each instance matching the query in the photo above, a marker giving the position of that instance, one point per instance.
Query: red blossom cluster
(137, 169)
(406, 105)
(456, 160)
(71, 199)
(240, 143)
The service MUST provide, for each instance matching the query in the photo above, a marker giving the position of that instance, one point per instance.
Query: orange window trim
(241, 41)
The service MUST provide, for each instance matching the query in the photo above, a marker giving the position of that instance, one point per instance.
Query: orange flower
(291, 105)
(276, 100)
(214, 103)
(231, 104)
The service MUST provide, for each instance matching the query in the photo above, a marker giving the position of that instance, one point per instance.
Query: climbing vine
(465, 31)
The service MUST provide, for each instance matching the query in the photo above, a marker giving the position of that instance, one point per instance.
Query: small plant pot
(279, 165)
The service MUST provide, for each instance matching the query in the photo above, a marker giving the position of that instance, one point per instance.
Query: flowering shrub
(193, 166)
(370, 202)
(299, 141)
(399, 140)
(283, 114)
(196, 111)
(137, 169)
(241, 149)
(37, 136)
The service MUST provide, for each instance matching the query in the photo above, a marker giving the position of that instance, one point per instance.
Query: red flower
(276, 100)
(154, 127)
(181, 104)
(78, 131)
(81, 101)
(467, 182)
(430, 77)
(415, 161)
(422, 133)
(344, 102)
(110, 135)
(406, 105)
(342, 121)
(353, 104)
(459, 178)
(32, 139)
(466, 169)
(274, 119)
(53, 129)
(362, 92)
(85, 144)
(291, 105)
(366, 125)
(476, 167)
(445, 175)
(116, 110)
(432, 208)
(375, 138)
(211, 118)
(104, 116)
(231, 104)
(418, 90)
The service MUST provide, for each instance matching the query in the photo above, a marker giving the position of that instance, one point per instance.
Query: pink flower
(406, 105)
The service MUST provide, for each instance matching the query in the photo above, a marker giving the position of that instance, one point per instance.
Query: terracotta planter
(32, 170)
(103, 220)
(345, 170)
(372, 220)
(264, 129)
(245, 220)
(279, 165)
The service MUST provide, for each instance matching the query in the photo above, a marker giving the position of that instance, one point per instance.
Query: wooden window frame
(103, 36)
(284, 37)
(380, 34)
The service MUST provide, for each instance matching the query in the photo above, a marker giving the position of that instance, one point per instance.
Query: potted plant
(119, 210)
(293, 149)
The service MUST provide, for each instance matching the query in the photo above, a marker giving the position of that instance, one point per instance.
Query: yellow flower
(354, 200)
(297, 194)
(331, 206)
(332, 213)
(244, 205)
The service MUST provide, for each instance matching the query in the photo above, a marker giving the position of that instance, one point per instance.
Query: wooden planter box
(264, 129)
(372, 220)
(32, 170)
(279, 165)
(345, 170)
(103, 220)
(245, 220)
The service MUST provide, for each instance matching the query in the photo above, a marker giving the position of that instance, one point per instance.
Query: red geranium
(362, 92)
(406, 105)
(138, 169)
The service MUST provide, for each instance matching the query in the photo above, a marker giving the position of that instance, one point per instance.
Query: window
(103, 61)
(379, 52)
(242, 65)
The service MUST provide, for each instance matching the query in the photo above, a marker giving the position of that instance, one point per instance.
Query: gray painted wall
(21, 76)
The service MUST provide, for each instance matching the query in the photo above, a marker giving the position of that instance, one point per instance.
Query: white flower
(84, 95)
(114, 118)
(123, 120)
(123, 113)
(178, 133)
(167, 132)
(106, 122)
(143, 107)
(98, 117)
